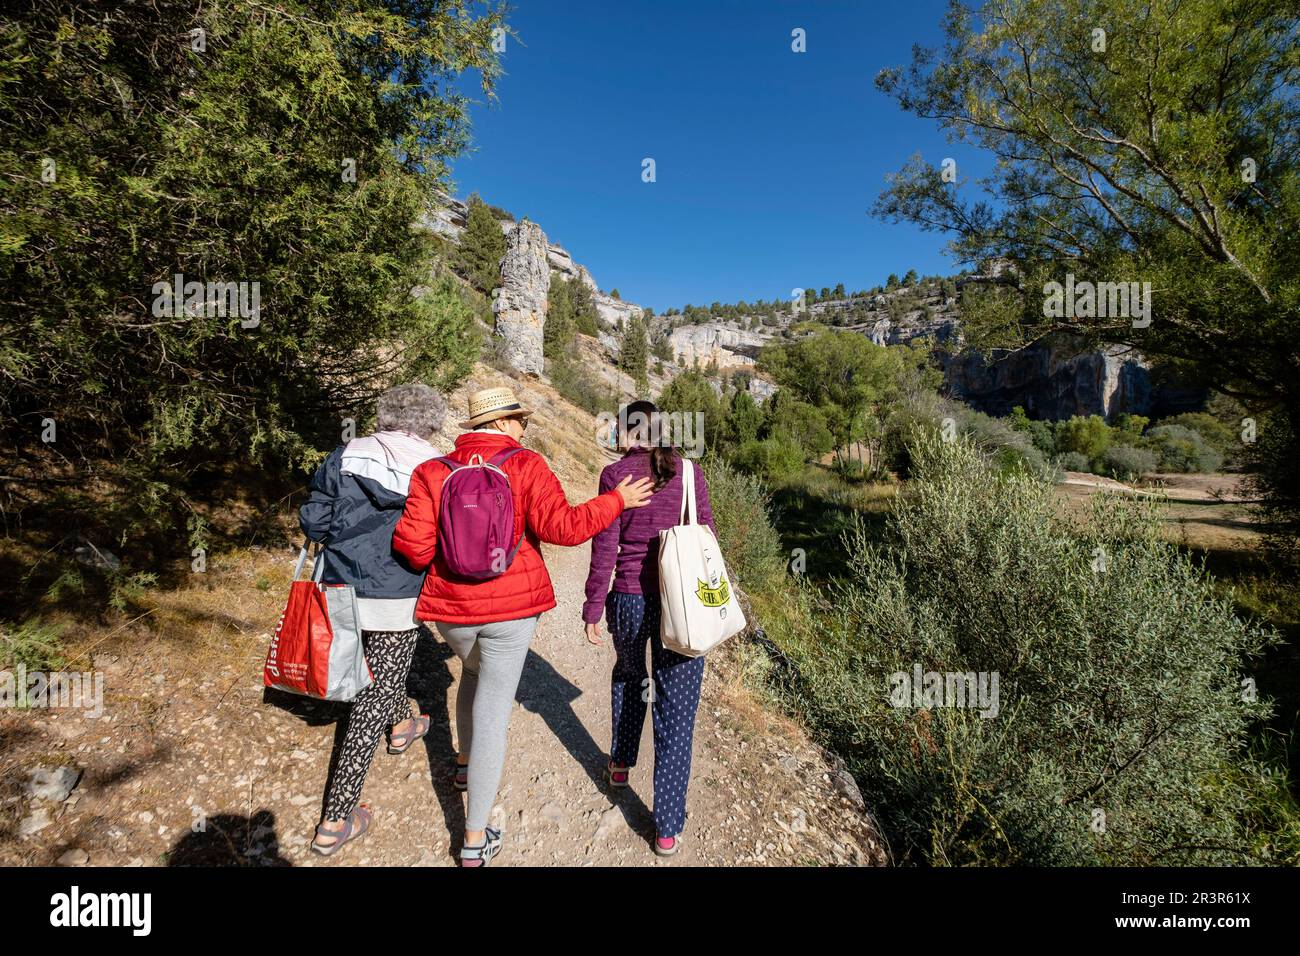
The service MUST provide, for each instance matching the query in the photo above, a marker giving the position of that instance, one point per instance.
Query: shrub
(31, 643)
(749, 541)
(999, 442)
(1088, 436)
(1222, 438)
(1119, 679)
(575, 384)
(1181, 449)
(1073, 461)
(1126, 462)
(773, 459)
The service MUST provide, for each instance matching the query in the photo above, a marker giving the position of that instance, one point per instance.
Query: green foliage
(1073, 461)
(1144, 161)
(561, 322)
(635, 351)
(1219, 436)
(841, 373)
(32, 643)
(800, 423)
(1089, 436)
(1274, 477)
(773, 459)
(746, 534)
(576, 384)
(1127, 462)
(223, 166)
(482, 244)
(1181, 449)
(691, 392)
(1119, 689)
(585, 315)
(745, 420)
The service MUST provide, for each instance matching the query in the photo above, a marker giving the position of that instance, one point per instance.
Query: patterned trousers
(374, 710)
(633, 620)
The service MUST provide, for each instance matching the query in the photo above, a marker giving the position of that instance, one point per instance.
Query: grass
(814, 510)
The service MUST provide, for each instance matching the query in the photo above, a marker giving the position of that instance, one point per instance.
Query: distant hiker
(487, 584)
(629, 548)
(356, 499)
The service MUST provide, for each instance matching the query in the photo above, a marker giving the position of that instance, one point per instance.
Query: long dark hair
(663, 458)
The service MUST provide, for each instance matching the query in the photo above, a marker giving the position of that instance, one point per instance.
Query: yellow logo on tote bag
(713, 597)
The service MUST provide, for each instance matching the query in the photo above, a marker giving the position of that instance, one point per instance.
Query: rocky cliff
(1058, 377)
(521, 302)
(1053, 378)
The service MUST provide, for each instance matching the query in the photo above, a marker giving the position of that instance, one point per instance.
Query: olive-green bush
(1121, 729)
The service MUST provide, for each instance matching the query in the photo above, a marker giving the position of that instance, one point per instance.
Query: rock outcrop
(727, 345)
(520, 304)
(1059, 376)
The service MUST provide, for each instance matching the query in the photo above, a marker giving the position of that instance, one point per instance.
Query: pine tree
(663, 348)
(634, 353)
(585, 315)
(482, 245)
(557, 334)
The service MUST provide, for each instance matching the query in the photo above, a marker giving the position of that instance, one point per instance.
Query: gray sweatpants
(493, 656)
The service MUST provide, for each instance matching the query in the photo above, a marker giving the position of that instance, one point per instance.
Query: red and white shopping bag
(316, 649)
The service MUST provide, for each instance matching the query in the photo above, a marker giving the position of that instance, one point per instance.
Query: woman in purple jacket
(629, 548)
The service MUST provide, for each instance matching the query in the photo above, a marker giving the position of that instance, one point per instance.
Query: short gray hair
(414, 408)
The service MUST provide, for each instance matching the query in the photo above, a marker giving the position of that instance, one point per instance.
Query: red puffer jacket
(542, 513)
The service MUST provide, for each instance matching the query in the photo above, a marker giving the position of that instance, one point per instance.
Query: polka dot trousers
(673, 695)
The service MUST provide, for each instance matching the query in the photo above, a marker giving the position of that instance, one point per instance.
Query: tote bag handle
(688, 491)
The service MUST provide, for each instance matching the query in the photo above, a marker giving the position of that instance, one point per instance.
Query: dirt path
(192, 763)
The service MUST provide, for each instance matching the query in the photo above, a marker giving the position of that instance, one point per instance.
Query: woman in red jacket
(489, 624)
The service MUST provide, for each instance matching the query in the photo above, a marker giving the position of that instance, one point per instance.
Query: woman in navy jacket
(357, 496)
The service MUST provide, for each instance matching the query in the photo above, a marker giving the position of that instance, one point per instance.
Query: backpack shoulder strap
(501, 457)
(450, 462)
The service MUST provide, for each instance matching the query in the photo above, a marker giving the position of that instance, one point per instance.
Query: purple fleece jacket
(631, 542)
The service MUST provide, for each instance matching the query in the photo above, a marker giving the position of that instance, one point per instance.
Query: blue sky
(767, 161)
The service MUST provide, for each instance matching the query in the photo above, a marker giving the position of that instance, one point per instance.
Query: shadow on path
(548, 693)
(230, 840)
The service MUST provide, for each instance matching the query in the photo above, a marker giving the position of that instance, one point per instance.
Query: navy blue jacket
(354, 504)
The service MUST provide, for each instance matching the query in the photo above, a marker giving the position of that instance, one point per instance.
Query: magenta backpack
(476, 520)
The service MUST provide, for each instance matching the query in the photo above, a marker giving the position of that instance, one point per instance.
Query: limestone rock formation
(727, 345)
(520, 304)
(1058, 377)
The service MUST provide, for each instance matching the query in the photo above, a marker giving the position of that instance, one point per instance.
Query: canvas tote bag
(700, 609)
(316, 649)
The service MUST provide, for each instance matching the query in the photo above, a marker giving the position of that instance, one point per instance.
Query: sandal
(482, 855)
(401, 743)
(617, 775)
(459, 775)
(666, 846)
(357, 823)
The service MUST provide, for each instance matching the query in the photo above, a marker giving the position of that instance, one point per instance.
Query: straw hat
(489, 404)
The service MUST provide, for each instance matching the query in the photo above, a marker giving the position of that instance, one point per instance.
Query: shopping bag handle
(302, 559)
